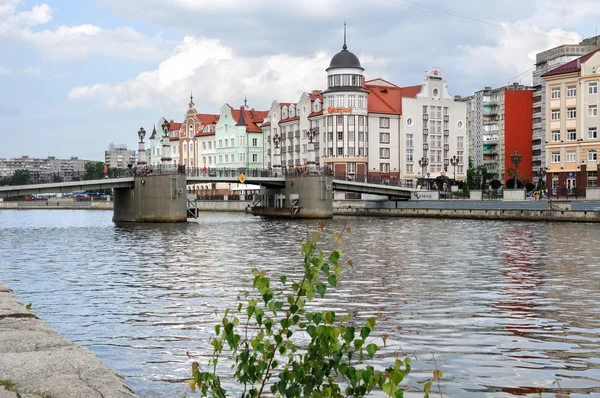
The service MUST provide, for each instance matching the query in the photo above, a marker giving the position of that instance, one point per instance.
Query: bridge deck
(65, 187)
(265, 181)
(375, 189)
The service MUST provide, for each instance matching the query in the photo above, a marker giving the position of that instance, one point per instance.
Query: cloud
(76, 42)
(30, 71)
(4, 71)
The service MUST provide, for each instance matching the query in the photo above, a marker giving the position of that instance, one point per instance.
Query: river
(505, 307)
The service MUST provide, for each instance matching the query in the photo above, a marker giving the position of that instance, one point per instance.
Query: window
(346, 81)
(571, 91)
(330, 120)
(340, 135)
(351, 168)
(340, 101)
(255, 157)
(226, 158)
(351, 121)
(555, 157)
(409, 155)
(384, 122)
(571, 113)
(350, 135)
(555, 136)
(340, 121)
(191, 131)
(330, 151)
(352, 100)
(361, 136)
(361, 101)
(340, 151)
(361, 152)
(459, 142)
(233, 157)
(184, 147)
(409, 140)
(571, 156)
(435, 92)
(220, 143)
(384, 153)
(556, 114)
(445, 111)
(592, 178)
(303, 148)
(351, 152)
(254, 141)
(203, 159)
(226, 127)
(384, 138)
(460, 156)
(330, 101)
(424, 109)
(571, 135)
(204, 146)
(409, 122)
(593, 110)
(555, 93)
(384, 167)
(592, 133)
(409, 169)
(220, 158)
(592, 155)
(592, 88)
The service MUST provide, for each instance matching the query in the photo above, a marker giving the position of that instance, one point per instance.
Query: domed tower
(345, 112)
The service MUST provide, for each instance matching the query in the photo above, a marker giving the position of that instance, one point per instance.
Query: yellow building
(572, 123)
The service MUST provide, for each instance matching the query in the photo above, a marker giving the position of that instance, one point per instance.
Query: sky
(77, 75)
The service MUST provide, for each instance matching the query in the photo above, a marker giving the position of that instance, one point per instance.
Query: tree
(267, 357)
(94, 170)
(20, 177)
(495, 184)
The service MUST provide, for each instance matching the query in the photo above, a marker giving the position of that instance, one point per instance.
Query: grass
(8, 385)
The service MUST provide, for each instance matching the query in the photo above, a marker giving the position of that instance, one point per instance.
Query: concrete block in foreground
(39, 362)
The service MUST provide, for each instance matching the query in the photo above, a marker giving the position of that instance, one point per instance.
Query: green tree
(20, 177)
(259, 336)
(94, 170)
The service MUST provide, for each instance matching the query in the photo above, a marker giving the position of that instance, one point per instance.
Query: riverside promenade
(36, 361)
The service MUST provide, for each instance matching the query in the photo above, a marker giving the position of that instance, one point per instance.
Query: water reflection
(506, 307)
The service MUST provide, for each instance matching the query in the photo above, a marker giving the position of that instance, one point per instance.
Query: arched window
(191, 130)
(592, 155)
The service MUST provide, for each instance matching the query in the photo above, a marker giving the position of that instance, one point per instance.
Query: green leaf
(316, 236)
(389, 388)
(371, 350)
(332, 279)
(371, 323)
(283, 279)
(364, 332)
(321, 288)
(28, 306)
(217, 329)
(334, 257)
(427, 387)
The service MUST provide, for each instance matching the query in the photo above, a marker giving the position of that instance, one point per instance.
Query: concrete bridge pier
(302, 197)
(160, 198)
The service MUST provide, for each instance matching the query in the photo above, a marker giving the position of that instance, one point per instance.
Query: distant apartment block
(118, 156)
(66, 167)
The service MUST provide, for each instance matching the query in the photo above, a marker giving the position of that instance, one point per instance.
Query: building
(545, 61)
(361, 128)
(499, 123)
(118, 156)
(67, 168)
(572, 121)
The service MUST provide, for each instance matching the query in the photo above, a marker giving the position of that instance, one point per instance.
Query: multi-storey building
(545, 61)
(362, 129)
(65, 167)
(499, 123)
(572, 123)
(118, 156)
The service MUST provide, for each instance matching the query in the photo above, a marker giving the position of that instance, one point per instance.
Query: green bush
(259, 337)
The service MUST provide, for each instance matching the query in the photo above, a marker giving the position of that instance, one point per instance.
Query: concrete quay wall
(36, 361)
(62, 205)
(479, 214)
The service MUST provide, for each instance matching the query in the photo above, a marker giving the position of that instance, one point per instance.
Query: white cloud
(75, 42)
(216, 75)
(31, 71)
(4, 71)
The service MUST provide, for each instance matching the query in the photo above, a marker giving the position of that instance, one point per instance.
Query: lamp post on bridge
(166, 147)
(423, 162)
(276, 155)
(141, 148)
(311, 134)
(515, 158)
(454, 163)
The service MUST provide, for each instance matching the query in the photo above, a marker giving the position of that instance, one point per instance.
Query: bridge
(160, 196)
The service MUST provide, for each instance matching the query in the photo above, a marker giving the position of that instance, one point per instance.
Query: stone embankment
(36, 361)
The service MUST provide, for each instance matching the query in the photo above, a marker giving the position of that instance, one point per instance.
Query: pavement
(36, 361)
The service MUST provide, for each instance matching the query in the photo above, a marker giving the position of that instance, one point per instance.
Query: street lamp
(423, 162)
(311, 134)
(454, 163)
(141, 134)
(428, 182)
(515, 158)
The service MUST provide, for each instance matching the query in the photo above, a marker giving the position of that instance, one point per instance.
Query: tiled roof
(289, 119)
(265, 124)
(570, 67)
(251, 117)
(173, 126)
(313, 114)
(388, 100)
(316, 94)
(207, 119)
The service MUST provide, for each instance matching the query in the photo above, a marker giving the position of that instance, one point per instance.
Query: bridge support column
(160, 198)
(302, 197)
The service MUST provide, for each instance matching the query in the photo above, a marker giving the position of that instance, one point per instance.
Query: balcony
(446, 118)
(268, 152)
(269, 138)
(446, 132)
(446, 147)
(425, 131)
(317, 145)
(317, 159)
(425, 146)
(290, 148)
(425, 116)
(297, 148)
(297, 134)
(290, 134)
(491, 151)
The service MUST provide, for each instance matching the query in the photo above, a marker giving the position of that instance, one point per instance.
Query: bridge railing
(27, 177)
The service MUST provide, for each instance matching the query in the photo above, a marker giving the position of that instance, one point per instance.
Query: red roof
(316, 113)
(265, 124)
(289, 119)
(251, 117)
(570, 67)
(207, 119)
(316, 94)
(173, 126)
(388, 100)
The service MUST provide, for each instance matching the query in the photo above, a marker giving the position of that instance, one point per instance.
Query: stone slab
(41, 362)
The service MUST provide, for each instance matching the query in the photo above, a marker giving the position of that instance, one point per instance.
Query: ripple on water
(505, 307)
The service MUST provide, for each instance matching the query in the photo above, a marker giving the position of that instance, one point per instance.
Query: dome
(345, 59)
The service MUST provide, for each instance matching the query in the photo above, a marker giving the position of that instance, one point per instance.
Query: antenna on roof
(344, 47)
(245, 101)
(191, 98)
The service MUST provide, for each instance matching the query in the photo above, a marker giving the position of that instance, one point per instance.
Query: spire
(191, 99)
(344, 47)
(245, 102)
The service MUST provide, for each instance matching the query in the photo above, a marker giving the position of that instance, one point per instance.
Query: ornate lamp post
(166, 147)
(311, 134)
(515, 158)
(276, 154)
(141, 148)
(423, 162)
(454, 163)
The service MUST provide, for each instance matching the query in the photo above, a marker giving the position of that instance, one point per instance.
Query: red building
(518, 112)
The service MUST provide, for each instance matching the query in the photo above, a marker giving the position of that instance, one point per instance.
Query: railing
(297, 133)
